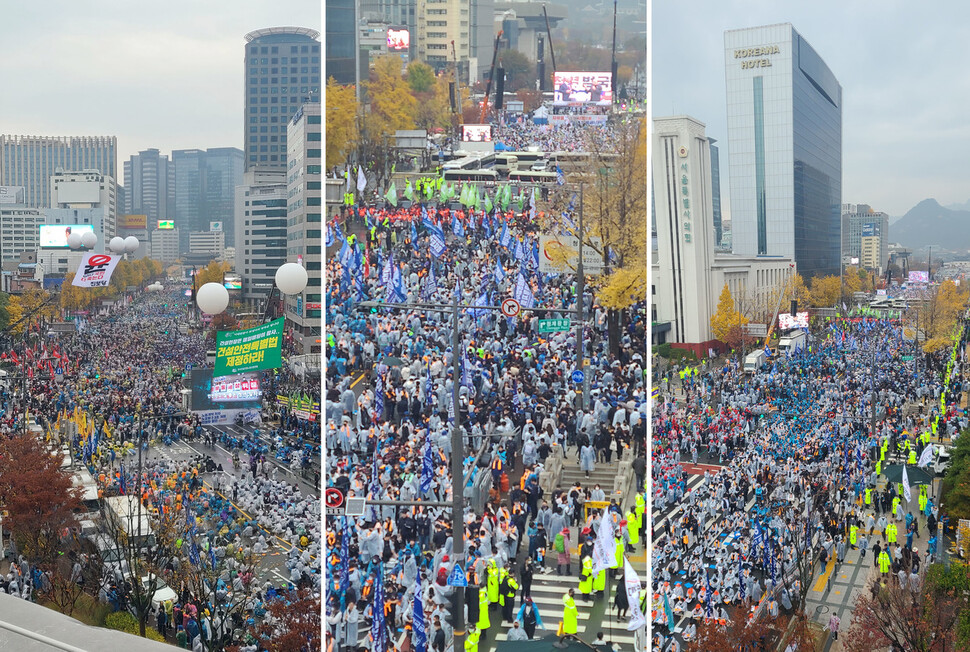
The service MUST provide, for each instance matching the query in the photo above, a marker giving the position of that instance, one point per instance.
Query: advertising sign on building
(251, 349)
(398, 39)
(787, 321)
(133, 222)
(11, 194)
(868, 229)
(54, 236)
(559, 254)
(215, 226)
(166, 224)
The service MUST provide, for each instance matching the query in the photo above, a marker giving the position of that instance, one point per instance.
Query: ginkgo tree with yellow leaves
(614, 198)
(727, 321)
(939, 317)
(341, 115)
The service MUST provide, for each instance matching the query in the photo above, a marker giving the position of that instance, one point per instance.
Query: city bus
(480, 176)
(528, 176)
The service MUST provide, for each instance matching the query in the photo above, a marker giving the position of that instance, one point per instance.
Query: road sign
(334, 497)
(59, 371)
(355, 506)
(578, 376)
(554, 325)
(457, 576)
(907, 358)
(188, 366)
(510, 307)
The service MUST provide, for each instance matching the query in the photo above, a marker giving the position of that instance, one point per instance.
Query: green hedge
(125, 622)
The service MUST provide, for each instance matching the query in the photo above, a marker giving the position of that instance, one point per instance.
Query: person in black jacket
(438, 637)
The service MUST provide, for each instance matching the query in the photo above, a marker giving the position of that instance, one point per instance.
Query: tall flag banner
(338, 233)
(741, 577)
(560, 177)
(707, 598)
(408, 190)
(437, 242)
(379, 397)
(604, 550)
(379, 626)
(926, 456)
(420, 626)
(400, 294)
(432, 286)
(523, 293)
(414, 237)
(668, 612)
(387, 274)
(344, 561)
(346, 254)
(506, 237)
(428, 387)
(488, 204)
(330, 237)
(504, 196)
(907, 491)
(427, 467)
(426, 219)
(456, 226)
(391, 195)
(499, 272)
(361, 179)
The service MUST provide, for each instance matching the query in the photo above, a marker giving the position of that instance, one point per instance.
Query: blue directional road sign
(59, 371)
(577, 376)
(457, 576)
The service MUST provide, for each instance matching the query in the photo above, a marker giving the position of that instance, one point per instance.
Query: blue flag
(523, 293)
(456, 226)
(344, 562)
(378, 398)
(560, 177)
(499, 272)
(414, 237)
(420, 627)
(505, 237)
(437, 241)
(379, 626)
(427, 467)
(428, 387)
(330, 237)
(708, 600)
(124, 483)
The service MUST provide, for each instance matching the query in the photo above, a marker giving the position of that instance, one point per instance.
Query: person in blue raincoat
(529, 615)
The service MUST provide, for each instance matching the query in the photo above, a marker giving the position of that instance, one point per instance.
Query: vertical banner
(249, 350)
(95, 270)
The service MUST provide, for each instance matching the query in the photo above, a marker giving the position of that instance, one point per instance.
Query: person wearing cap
(529, 615)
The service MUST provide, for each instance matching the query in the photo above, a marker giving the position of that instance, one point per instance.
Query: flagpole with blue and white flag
(420, 626)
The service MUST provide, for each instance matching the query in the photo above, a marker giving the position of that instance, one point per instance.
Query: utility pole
(581, 305)
(457, 484)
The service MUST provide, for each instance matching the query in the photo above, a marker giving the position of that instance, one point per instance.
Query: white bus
(505, 163)
(528, 176)
(471, 175)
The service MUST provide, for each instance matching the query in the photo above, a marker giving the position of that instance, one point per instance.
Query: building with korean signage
(688, 276)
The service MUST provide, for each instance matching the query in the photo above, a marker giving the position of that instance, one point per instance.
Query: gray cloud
(903, 73)
(154, 74)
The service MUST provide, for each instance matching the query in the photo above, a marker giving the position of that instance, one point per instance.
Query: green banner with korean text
(249, 350)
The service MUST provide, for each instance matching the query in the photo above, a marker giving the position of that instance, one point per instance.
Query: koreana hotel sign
(756, 57)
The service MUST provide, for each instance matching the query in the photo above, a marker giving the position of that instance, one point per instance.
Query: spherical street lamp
(74, 240)
(117, 245)
(291, 278)
(212, 298)
(88, 239)
(131, 244)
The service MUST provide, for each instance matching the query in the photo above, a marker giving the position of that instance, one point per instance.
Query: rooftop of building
(285, 31)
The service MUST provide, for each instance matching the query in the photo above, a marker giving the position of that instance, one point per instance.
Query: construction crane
(454, 58)
(491, 75)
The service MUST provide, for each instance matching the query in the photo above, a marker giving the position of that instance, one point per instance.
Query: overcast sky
(166, 74)
(904, 75)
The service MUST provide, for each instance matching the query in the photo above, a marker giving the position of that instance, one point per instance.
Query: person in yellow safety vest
(853, 531)
(599, 582)
(895, 505)
(586, 577)
(471, 641)
(632, 529)
(884, 562)
(891, 533)
(922, 500)
(491, 581)
(483, 621)
(503, 574)
(510, 586)
(620, 549)
(570, 614)
(868, 497)
(912, 457)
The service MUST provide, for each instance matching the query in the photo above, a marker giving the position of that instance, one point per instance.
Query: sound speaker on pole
(500, 89)
(452, 97)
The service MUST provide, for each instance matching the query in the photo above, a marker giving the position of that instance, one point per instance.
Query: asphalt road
(272, 565)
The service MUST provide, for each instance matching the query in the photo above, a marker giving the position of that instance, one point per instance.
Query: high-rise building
(282, 71)
(29, 161)
(304, 242)
(165, 245)
(19, 230)
(784, 110)
(260, 224)
(343, 58)
(150, 186)
(864, 228)
(205, 189)
(441, 23)
(716, 192)
(87, 189)
(688, 274)
(481, 38)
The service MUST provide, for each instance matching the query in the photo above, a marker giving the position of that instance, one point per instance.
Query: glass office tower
(784, 109)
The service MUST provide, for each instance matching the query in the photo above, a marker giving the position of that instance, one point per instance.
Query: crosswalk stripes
(547, 593)
(693, 481)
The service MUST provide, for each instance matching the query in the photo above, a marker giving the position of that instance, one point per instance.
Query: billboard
(224, 392)
(787, 321)
(232, 282)
(249, 350)
(582, 88)
(166, 224)
(919, 277)
(133, 222)
(868, 230)
(215, 226)
(476, 133)
(78, 192)
(398, 39)
(54, 236)
(11, 194)
(560, 255)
